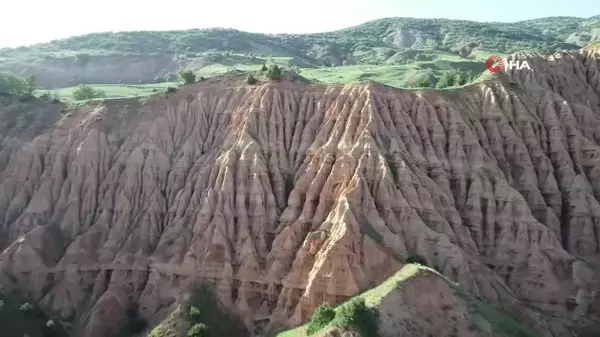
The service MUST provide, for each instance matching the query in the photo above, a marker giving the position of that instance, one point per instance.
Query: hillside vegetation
(19, 317)
(370, 314)
(400, 52)
(372, 42)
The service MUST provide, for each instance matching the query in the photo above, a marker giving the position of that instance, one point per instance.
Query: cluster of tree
(85, 92)
(11, 85)
(354, 313)
(454, 78)
(451, 78)
(273, 72)
(188, 76)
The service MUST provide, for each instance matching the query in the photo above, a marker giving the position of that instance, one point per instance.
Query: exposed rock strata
(287, 195)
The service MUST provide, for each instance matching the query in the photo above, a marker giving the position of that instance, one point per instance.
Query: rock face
(286, 195)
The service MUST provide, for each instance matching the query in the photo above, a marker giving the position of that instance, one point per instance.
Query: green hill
(401, 52)
(380, 39)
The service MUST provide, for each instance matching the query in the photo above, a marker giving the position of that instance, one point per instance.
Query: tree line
(12, 85)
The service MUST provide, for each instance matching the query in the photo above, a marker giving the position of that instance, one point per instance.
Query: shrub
(355, 313)
(274, 72)
(251, 79)
(322, 315)
(26, 307)
(171, 89)
(264, 67)
(425, 80)
(187, 76)
(194, 313)
(417, 259)
(50, 330)
(11, 85)
(84, 92)
(215, 321)
(198, 330)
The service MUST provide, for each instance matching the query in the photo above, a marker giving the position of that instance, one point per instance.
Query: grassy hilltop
(401, 52)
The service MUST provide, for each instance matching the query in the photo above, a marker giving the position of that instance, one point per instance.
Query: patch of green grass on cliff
(19, 318)
(371, 297)
(502, 323)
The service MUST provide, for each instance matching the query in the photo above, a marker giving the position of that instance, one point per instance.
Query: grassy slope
(112, 90)
(502, 323)
(392, 75)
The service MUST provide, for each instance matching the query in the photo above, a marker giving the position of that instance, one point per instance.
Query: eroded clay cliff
(286, 195)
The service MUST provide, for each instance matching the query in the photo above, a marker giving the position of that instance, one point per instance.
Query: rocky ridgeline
(286, 195)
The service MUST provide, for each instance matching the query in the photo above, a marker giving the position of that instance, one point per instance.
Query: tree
(84, 92)
(30, 84)
(264, 67)
(446, 80)
(11, 85)
(274, 72)
(198, 330)
(251, 79)
(187, 76)
(421, 81)
(194, 313)
(322, 315)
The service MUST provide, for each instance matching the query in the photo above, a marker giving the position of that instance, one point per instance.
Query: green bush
(425, 80)
(322, 315)
(187, 76)
(198, 330)
(264, 67)
(417, 259)
(211, 316)
(194, 313)
(251, 79)
(454, 78)
(84, 92)
(26, 307)
(355, 313)
(274, 72)
(171, 89)
(11, 85)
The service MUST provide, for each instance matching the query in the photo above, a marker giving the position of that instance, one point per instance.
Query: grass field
(112, 90)
(395, 75)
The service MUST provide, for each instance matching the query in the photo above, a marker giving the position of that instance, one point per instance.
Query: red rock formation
(287, 195)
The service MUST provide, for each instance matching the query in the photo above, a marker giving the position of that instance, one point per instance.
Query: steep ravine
(286, 195)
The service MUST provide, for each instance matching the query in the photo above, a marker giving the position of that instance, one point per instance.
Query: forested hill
(385, 36)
